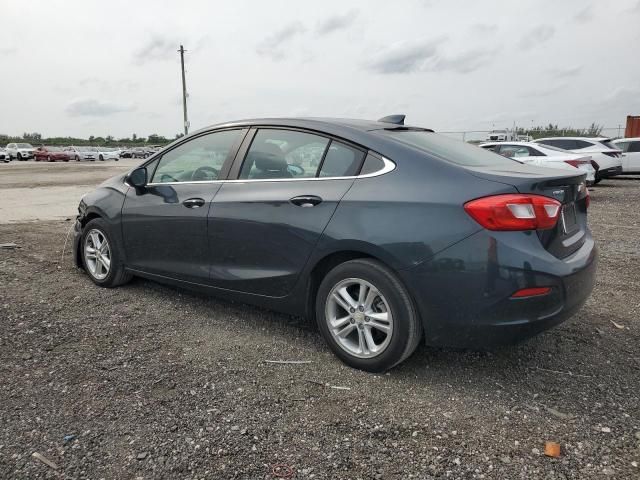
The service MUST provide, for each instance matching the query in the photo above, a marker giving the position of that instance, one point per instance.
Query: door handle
(193, 202)
(306, 200)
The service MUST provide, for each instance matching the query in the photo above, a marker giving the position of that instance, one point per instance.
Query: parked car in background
(630, 154)
(500, 136)
(140, 152)
(107, 153)
(607, 157)
(126, 153)
(51, 154)
(4, 155)
(543, 156)
(387, 235)
(20, 151)
(82, 153)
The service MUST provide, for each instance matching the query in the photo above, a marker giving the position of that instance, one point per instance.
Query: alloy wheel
(97, 254)
(359, 318)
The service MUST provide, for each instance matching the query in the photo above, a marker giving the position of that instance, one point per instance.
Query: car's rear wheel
(77, 158)
(366, 315)
(101, 158)
(101, 257)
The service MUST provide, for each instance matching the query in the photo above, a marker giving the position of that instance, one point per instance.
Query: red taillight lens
(514, 212)
(531, 292)
(577, 163)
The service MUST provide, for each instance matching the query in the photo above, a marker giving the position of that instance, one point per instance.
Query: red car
(51, 154)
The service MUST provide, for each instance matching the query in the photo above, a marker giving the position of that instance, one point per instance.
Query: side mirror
(138, 178)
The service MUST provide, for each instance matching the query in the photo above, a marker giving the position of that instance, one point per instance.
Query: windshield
(454, 151)
(53, 149)
(24, 145)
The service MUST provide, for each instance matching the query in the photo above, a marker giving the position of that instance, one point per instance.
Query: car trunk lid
(567, 187)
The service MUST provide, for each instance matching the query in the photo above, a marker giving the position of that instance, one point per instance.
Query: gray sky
(83, 68)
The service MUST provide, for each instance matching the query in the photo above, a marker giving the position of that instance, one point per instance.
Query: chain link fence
(477, 136)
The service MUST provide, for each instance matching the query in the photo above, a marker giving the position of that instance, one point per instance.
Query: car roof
(627, 139)
(523, 144)
(592, 139)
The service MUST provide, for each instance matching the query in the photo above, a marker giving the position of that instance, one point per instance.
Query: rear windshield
(454, 151)
(609, 144)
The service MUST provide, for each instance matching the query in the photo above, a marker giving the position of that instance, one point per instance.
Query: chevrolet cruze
(385, 234)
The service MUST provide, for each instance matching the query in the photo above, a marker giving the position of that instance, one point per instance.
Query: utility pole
(184, 91)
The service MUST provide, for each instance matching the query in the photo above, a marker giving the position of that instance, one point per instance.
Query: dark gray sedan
(386, 234)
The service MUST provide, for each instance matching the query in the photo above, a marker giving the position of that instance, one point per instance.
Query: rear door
(264, 225)
(164, 224)
(633, 157)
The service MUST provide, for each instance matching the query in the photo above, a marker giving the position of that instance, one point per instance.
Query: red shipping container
(633, 126)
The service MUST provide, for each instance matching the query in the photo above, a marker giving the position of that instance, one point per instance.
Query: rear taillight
(514, 212)
(577, 163)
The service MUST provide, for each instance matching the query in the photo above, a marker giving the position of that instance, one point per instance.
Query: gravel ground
(146, 381)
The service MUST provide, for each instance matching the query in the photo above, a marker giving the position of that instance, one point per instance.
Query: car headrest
(268, 158)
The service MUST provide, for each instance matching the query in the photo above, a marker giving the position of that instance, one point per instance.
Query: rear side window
(341, 161)
(276, 154)
(582, 144)
(454, 151)
(634, 147)
(371, 165)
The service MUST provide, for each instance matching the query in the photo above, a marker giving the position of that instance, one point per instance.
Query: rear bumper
(609, 172)
(463, 294)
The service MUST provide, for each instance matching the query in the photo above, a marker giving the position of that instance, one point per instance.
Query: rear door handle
(306, 200)
(193, 202)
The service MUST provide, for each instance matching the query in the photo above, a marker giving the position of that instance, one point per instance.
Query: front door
(264, 226)
(164, 224)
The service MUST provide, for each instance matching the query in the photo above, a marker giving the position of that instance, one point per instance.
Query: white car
(630, 154)
(607, 157)
(4, 155)
(82, 153)
(21, 151)
(500, 136)
(544, 156)
(106, 153)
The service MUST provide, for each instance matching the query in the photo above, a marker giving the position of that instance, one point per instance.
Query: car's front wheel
(366, 315)
(100, 256)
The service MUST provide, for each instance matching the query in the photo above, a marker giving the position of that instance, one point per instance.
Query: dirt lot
(145, 381)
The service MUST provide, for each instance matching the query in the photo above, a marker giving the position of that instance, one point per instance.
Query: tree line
(551, 130)
(37, 139)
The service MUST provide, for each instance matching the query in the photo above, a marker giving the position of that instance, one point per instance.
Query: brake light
(577, 163)
(511, 212)
(531, 292)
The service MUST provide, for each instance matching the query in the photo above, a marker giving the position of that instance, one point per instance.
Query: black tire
(49, 159)
(101, 158)
(19, 157)
(407, 330)
(117, 274)
(77, 158)
(597, 180)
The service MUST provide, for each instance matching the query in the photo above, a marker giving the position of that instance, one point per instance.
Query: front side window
(197, 160)
(278, 154)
